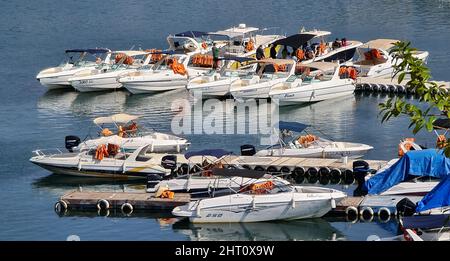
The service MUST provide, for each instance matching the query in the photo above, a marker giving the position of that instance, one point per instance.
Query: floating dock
(127, 202)
(389, 85)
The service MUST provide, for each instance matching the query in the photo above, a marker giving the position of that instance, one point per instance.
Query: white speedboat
(258, 85)
(170, 73)
(312, 46)
(58, 77)
(243, 40)
(265, 200)
(104, 78)
(374, 60)
(130, 136)
(102, 162)
(312, 146)
(217, 83)
(322, 83)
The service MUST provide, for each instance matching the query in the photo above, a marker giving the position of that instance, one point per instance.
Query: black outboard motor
(71, 142)
(248, 150)
(360, 171)
(153, 180)
(406, 207)
(169, 162)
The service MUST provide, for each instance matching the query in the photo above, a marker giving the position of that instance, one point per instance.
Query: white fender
(365, 210)
(351, 208)
(126, 208)
(60, 206)
(333, 203)
(102, 204)
(385, 211)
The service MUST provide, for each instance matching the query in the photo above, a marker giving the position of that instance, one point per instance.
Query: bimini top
(90, 50)
(419, 163)
(275, 61)
(441, 123)
(192, 34)
(116, 118)
(297, 40)
(218, 153)
(245, 173)
(292, 126)
(131, 52)
(323, 66)
(382, 44)
(438, 197)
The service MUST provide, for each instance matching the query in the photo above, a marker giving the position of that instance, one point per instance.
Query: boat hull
(332, 153)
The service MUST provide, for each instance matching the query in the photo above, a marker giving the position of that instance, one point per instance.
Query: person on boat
(344, 42)
(336, 44)
(215, 52)
(284, 52)
(260, 53)
(98, 60)
(309, 53)
(273, 52)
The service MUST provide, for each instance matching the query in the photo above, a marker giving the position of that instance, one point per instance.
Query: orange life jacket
(262, 187)
(168, 194)
(101, 152)
(250, 46)
(352, 73)
(342, 70)
(300, 54)
(322, 48)
(204, 45)
(407, 146)
(178, 68)
(375, 54)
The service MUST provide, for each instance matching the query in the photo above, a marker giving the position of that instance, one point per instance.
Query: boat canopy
(292, 126)
(218, 153)
(323, 66)
(425, 221)
(275, 61)
(418, 163)
(443, 123)
(90, 50)
(131, 52)
(438, 197)
(192, 34)
(116, 118)
(382, 44)
(296, 41)
(245, 173)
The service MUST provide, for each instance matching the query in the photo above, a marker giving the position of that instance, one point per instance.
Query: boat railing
(47, 152)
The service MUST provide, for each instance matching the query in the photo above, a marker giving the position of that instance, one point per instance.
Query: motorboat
(311, 146)
(415, 173)
(373, 59)
(265, 200)
(242, 40)
(189, 42)
(322, 83)
(217, 83)
(58, 77)
(170, 73)
(129, 135)
(270, 72)
(105, 161)
(105, 77)
(312, 46)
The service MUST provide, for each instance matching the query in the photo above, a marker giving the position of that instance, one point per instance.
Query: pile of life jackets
(279, 67)
(167, 194)
(406, 144)
(250, 46)
(128, 59)
(177, 68)
(260, 188)
(305, 140)
(441, 141)
(101, 152)
(202, 60)
(348, 72)
(204, 45)
(372, 55)
(156, 55)
(106, 132)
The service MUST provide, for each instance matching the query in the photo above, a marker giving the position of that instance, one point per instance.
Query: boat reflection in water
(311, 229)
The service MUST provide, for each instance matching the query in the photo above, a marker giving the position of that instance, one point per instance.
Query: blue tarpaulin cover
(292, 126)
(438, 197)
(430, 162)
(213, 152)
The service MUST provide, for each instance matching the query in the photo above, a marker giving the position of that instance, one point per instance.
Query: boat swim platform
(141, 201)
(293, 162)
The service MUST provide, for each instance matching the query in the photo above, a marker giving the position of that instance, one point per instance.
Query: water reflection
(312, 229)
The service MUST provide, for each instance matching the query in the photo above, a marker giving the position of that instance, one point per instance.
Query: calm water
(35, 33)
